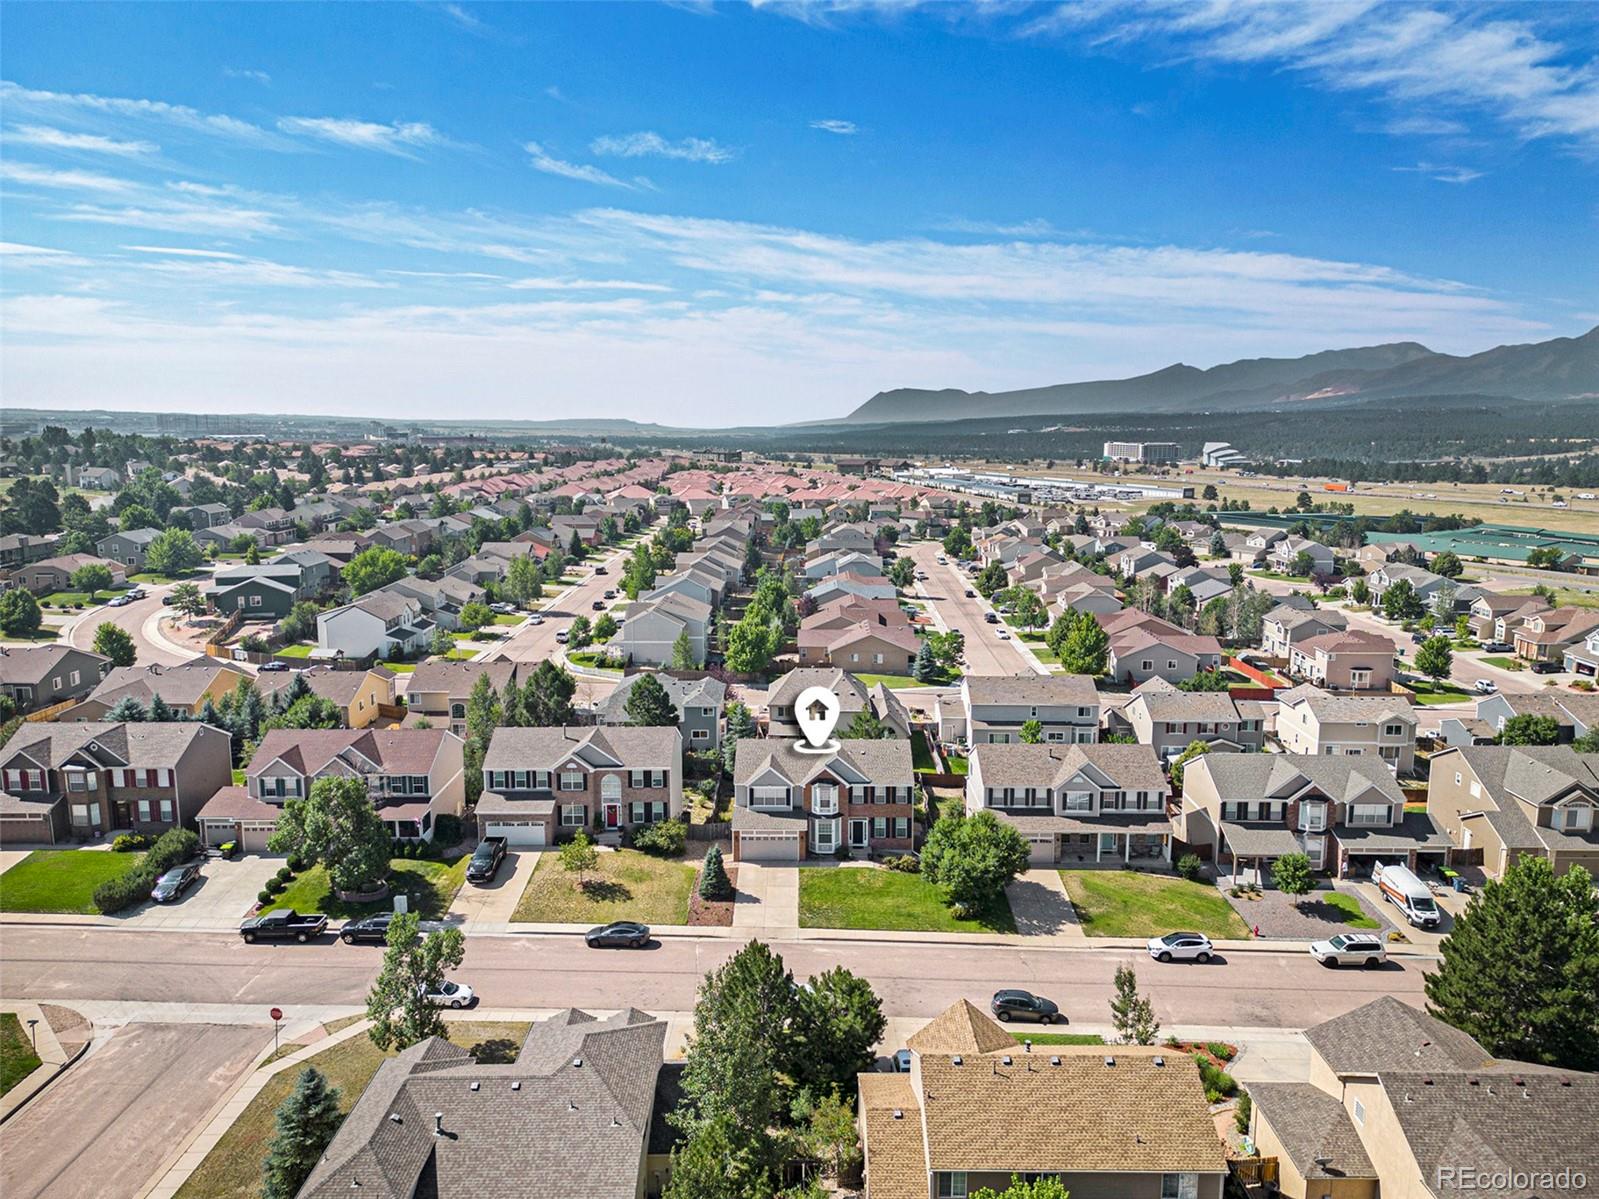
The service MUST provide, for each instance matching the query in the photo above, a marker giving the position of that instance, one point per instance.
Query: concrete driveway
(102, 1129)
(496, 902)
(225, 892)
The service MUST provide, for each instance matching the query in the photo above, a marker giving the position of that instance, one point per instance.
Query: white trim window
(1577, 817)
(824, 799)
(574, 815)
(1078, 801)
(611, 787)
(572, 780)
(1369, 813)
(1179, 1186)
(949, 1184)
(769, 797)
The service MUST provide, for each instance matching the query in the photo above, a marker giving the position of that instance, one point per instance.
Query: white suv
(1356, 949)
(1181, 947)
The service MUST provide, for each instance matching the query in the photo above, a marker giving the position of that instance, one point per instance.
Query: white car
(535, 619)
(1485, 687)
(1355, 949)
(450, 994)
(1181, 947)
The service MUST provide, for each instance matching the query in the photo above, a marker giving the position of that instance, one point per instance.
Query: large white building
(1151, 453)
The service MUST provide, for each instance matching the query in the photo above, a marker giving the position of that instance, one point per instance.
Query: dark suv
(486, 859)
(1024, 1005)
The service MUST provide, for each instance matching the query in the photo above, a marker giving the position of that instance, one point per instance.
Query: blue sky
(723, 214)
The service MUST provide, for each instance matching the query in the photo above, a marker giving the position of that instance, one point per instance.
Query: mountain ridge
(1560, 368)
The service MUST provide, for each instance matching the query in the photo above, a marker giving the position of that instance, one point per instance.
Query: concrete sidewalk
(49, 1050)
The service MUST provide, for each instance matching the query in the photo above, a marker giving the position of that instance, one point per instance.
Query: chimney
(438, 1124)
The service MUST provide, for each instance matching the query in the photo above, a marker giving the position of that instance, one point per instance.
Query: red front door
(613, 815)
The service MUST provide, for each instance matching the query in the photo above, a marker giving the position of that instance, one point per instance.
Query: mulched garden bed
(712, 913)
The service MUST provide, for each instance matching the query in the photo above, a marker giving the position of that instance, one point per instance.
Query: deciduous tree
(116, 643)
(414, 967)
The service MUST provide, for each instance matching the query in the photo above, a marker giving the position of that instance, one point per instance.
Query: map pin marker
(816, 712)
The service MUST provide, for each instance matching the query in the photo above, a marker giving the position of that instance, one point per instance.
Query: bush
(285, 874)
(447, 830)
(172, 848)
(263, 896)
(1219, 1084)
(298, 864)
(666, 839)
(1246, 1106)
(1220, 1051)
(905, 863)
(126, 890)
(1190, 867)
(129, 842)
(274, 885)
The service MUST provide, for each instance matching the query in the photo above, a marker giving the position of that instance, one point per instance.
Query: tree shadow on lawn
(604, 890)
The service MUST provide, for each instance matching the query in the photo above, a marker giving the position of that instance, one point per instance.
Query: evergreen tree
(160, 711)
(714, 883)
(925, 668)
(126, 708)
(649, 704)
(482, 718)
(1435, 658)
(683, 652)
(307, 1119)
(1520, 970)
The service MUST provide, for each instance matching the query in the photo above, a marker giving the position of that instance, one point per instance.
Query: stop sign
(277, 1013)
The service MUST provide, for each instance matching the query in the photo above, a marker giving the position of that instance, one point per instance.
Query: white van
(1408, 893)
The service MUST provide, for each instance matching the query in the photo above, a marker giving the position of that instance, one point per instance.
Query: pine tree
(307, 1120)
(1131, 1013)
(925, 667)
(683, 653)
(714, 883)
(160, 710)
(649, 705)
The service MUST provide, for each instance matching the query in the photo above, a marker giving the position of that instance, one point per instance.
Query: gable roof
(1388, 1033)
(1032, 690)
(701, 692)
(1015, 764)
(310, 751)
(887, 760)
(547, 748)
(1338, 776)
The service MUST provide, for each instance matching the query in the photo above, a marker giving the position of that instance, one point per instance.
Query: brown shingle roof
(961, 1028)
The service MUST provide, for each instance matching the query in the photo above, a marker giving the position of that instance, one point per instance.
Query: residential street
(1254, 988)
(536, 642)
(139, 619)
(945, 588)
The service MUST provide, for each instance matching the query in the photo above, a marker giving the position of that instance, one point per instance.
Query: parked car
(1003, 635)
(562, 636)
(273, 667)
(1498, 647)
(1401, 887)
(121, 601)
(970, 594)
(486, 859)
(1024, 1005)
(610, 593)
(535, 619)
(1355, 949)
(599, 605)
(456, 995)
(600, 570)
(1485, 687)
(284, 925)
(1181, 947)
(372, 930)
(991, 618)
(503, 608)
(622, 934)
(1547, 668)
(168, 600)
(135, 593)
(902, 1061)
(171, 885)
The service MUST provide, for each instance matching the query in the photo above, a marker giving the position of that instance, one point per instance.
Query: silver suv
(1354, 949)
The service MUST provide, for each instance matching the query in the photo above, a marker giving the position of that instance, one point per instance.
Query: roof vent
(577, 1063)
(1005, 1061)
(516, 1084)
(571, 1106)
(1159, 1061)
(438, 1124)
(956, 1060)
(475, 1084)
(1054, 1061)
(898, 1114)
(1109, 1061)
(1027, 1046)
(394, 1118)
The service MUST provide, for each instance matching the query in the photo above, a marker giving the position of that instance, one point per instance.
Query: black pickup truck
(486, 859)
(284, 925)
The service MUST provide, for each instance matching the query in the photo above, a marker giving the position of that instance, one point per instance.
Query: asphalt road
(945, 588)
(1250, 989)
(536, 642)
(133, 618)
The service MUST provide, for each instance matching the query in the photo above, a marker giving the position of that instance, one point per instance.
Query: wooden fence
(715, 830)
(53, 710)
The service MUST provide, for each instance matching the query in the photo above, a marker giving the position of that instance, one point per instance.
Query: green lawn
(399, 667)
(1429, 692)
(853, 897)
(300, 650)
(1504, 663)
(17, 1059)
(921, 756)
(65, 599)
(430, 885)
(1354, 915)
(628, 885)
(47, 632)
(232, 1170)
(1059, 1038)
(1127, 903)
(894, 682)
(958, 765)
(507, 618)
(61, 880)
(147, 576)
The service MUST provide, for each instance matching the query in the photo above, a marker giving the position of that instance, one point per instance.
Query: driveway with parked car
(226, 890)
(495, 902)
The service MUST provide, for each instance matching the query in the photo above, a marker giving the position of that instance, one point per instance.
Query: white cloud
(85, 105)
(195, 218)
(402, 138)
(249, 73)
(89, 181)
(1467, 58)
(542, 160)
(537, 284)
(1424, 126)
(61, 139)
(182, 252)
(831, 125)
(20, 254)
(1443, 173)
(653, 145)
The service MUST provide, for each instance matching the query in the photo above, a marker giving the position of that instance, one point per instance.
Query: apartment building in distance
(1147, 453)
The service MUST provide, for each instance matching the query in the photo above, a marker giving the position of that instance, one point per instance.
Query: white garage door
(1040, 851)
(517, 834)
(768, 847)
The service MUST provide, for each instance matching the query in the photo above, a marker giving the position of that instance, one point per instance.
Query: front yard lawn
(1504, 663)
(61, 880)
(858, 897)
(1127, 903)
(629, 885)
(232, 1170)
(301, 649)
(1429, 692)
(431, 886)
(17, 1058)
(1354, 915)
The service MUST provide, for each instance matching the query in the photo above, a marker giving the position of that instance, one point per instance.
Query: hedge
(133, 886)
(666, 839)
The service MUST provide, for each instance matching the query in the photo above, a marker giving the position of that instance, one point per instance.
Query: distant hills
(1561, 369)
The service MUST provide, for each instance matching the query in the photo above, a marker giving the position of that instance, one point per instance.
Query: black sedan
(623, 934)
(370, 930)
(1024, 1005)
(170, 886)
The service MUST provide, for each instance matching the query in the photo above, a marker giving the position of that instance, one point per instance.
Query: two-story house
(264, 592)
(363, 697)
(385, 624)
(81, 780)
(541, 785)
(652, 628)
(975, 1108)
(1310, 721)
(1143, 647)
(128, 547)
(853, 695)
(1504, 802)
(1582, 658)
(439, 689)
(1393, 1093)
(1083, 804)
(1283, 553)
(1545, 636)
(698, 703)
(412, 776)
(37, 676)
(1288, 625)
(1168, 720)
(1244, 811)
(997, 706)
(1350, 660)
(789, 804)
(1574, 714)
(858, 634)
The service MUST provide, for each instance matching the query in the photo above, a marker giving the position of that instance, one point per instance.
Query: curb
(61, 1068)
